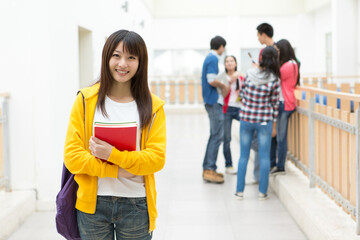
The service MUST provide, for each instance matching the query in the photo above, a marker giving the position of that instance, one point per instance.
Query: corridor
(188, 207)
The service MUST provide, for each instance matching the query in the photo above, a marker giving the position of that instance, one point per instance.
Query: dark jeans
(216, 117)
(126, 217)
(279, 144)
(231, 113)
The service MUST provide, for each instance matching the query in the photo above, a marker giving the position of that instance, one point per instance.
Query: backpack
(66, 219)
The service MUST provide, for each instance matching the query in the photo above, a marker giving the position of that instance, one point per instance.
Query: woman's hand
(99, 148)
(125, 174)
(225, 90)
(274, 129)
(234, 77)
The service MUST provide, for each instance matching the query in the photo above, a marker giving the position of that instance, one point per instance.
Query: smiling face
(123, 66)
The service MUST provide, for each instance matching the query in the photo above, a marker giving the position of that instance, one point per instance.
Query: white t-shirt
(121, 187)
(224, 78)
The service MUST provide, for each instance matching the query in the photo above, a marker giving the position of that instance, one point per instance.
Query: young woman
(290, 77)
(117, 196)
(231, 107)
(260, 99)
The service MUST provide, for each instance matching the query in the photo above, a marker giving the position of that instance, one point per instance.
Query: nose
(122, 62)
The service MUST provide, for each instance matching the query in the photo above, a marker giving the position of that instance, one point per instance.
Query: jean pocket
(139, 204)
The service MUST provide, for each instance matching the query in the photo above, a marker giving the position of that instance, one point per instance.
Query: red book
(120, 135)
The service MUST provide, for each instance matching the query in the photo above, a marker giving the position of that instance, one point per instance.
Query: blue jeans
(279, 144)
(264, 139)
(255, 148)
(231, 113)
(126, 217)
(216, 117)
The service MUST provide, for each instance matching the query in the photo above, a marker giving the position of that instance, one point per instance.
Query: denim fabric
(255, 148)
(256, 167)
(264, 139)
(231, 113)
(126, 217)
(216, 117)
(280, 145)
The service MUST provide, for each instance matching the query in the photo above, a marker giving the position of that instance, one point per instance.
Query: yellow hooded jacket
(87, 168)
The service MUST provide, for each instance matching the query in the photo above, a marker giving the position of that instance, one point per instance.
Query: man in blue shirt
(210, 95)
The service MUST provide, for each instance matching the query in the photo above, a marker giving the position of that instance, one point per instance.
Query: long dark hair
(287, 53)
(269, 61)
(234, 60)
(135, 45)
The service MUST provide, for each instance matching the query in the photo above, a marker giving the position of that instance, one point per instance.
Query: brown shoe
(212, 176)
(220, 174)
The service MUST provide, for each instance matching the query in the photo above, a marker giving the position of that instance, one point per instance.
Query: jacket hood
(259, 77)
(92, 91)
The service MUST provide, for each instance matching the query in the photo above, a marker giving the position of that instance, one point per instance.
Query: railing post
(177, 92)
(186, 88)
(312, 140)
(196, 98)
(357, 168)
(167, 90)
(6, 140)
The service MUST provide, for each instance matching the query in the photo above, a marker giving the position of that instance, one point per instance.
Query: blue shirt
(210, 66)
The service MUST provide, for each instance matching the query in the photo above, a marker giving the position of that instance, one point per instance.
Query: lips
(121, 72)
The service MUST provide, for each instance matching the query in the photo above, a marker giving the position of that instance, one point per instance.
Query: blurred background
(50, 49)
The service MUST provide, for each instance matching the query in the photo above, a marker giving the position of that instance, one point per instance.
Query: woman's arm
(152, 156)
(274, 99)
(77, 158)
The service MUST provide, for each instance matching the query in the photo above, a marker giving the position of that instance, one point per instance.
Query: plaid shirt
(260, 102)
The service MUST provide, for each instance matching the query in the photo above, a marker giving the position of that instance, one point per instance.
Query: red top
(289, 73)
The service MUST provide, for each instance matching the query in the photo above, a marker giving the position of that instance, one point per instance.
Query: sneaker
(278, 172)
(263, 196)
(239, 195)
(273, 169)
(212, 177)
(230, 170)
(254, 181)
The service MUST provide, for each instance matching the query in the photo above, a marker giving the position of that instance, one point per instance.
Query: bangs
(131, 45)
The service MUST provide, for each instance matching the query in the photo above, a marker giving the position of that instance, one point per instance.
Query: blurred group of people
(262, 100)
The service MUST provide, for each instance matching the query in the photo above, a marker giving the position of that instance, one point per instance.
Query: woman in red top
(290, 77)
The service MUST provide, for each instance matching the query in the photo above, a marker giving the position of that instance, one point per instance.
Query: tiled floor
(190, 208)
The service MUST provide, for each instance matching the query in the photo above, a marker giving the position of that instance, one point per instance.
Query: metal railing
(4, 143)
(324, 141)
(324, 132)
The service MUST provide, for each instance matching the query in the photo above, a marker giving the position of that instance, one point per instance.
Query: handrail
(5, 95)
(329, 76)
(344, 96)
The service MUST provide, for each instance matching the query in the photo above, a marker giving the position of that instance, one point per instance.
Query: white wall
(344, 31)
(39, 66)
(240, 32)
(204, 8)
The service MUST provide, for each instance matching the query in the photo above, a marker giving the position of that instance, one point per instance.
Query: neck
(230, 72)
(120, 92)
(269, 42)
(217, 51)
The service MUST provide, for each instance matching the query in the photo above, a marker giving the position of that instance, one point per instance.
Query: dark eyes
(130, 57)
